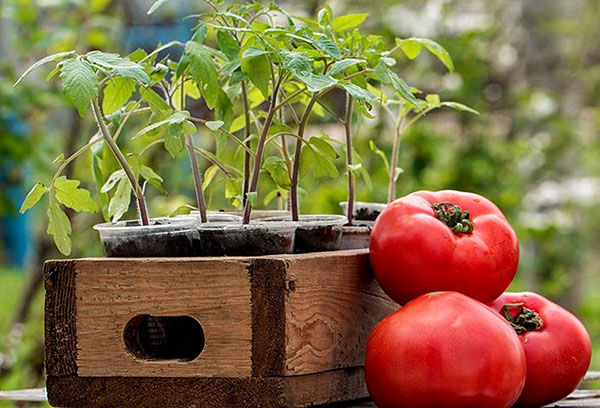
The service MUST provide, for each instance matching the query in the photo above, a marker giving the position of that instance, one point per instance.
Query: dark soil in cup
(161, 239)
(364, 211)
(249, 240)
(316, 233)
(318, 238)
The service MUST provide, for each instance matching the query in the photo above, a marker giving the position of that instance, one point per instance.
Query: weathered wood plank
(263, 392)
(268, 317)
(111, 292)
(59, 319)
(333, 302)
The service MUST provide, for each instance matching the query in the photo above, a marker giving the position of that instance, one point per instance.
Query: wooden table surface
(580, 398)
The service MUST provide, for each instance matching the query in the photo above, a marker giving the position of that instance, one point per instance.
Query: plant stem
(248, 142)
(394, 163)
(260, 148)
(189, 141)
(197, 179)
(296, 169)
(348, 129)
(114, 148)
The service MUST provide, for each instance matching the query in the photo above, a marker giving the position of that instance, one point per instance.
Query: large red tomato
(557, 347)
(444, 350)
(445, 240)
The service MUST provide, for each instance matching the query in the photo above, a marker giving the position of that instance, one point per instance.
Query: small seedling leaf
(33, 197)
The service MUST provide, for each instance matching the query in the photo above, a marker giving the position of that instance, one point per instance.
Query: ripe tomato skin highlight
(444, 350)
(558, 354)
(413, 252)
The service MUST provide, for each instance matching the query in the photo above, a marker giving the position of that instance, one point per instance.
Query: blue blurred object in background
(14, 227)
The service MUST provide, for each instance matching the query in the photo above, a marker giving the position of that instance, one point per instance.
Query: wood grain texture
(263, 392)
(333, 303)
(112, 291)
(268, 317)
(60, 318)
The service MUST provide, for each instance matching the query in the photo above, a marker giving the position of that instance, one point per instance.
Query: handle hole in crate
(164, 337)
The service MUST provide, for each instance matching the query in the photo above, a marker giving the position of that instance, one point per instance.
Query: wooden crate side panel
(268, 316)
(254, 392)
(333, 302)
(60, 336)
(145, 392)
(214, 292)
(326, 387)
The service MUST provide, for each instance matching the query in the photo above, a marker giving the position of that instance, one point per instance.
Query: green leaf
(342, 23)
(381, 154)
(238, 123)
(174, 139)
(157, 4)
(258, 71)
(200, 33)
(152, 178)
(324, 147)
(385, 75)
(177, 117)
(158, 73)
(317, 82)
(112, 181)
(297, 62)
(315, 161)
(209, 175)
(329, 47)
(203, 72)
(411, 49)
(252, 198)
(459, 107)
(433, 47)
(59, 227)
(433, 100)
(228, 45)
(214, 125)
(224, 109)
(49, 58)
(80, 83)
(119, 65)
(182, 209)
(36, 193)
(340, 66)
(156, 103)
(271, 195)
(191, 91)
(324, 16)
(69, 194)
(359, 93)
(278, 171)
(254, 51)
(119, 203)
(116, 94)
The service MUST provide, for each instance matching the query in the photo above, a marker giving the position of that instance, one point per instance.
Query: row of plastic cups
(223, 235)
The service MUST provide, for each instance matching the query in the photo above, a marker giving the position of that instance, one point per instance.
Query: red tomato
(446, 240)
(441, 350)
(557, 347)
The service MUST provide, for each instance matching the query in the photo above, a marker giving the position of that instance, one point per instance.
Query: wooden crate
(278, 330)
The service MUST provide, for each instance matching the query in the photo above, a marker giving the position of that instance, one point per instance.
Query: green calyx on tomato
(454, 217)
(525, 320)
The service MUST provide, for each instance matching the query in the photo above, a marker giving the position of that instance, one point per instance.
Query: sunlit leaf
(346, 22)
(71, 195)
(59, 227)
(33, 197)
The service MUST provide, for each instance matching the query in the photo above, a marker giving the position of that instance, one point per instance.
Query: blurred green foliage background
(532, 71)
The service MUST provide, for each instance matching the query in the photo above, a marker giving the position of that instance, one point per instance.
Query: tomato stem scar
(525, 320)
(454, 217)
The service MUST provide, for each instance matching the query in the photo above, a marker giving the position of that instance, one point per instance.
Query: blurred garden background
(532, 69)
